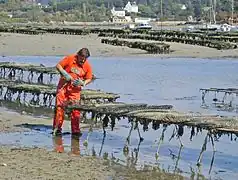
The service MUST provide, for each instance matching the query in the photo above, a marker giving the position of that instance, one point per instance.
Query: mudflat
(61, 45)
(36, 163)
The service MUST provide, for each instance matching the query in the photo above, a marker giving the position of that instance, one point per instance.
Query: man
(76, 72)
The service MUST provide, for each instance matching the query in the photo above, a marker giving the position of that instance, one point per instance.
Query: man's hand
(64, 73)
(79, 82)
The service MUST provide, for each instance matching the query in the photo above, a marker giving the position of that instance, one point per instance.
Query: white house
(118, 12)
(131, 7)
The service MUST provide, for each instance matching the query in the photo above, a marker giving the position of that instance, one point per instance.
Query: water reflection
(26, 109)
(131, 155)
(58, 144)
(172, 152)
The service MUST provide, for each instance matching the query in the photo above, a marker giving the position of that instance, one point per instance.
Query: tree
(146, 11)
(118, 3)
(198, 9)
(99, 10)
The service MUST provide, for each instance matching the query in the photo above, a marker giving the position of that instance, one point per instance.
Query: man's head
(82, 55)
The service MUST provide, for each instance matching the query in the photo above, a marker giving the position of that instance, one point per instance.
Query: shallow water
(154, 81)
(224, 165)
(173, 81)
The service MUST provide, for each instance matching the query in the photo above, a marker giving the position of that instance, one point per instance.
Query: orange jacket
(70, 65)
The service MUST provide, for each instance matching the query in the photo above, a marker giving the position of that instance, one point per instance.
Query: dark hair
(84, 52)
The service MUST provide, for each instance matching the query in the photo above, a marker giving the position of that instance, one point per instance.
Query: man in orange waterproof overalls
(76, 72)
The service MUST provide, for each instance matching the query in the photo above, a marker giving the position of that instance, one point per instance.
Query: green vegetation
(99, 10)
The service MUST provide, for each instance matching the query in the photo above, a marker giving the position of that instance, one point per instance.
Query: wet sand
(36, 163)
(16, 122)
(39, 163)
(60, 45)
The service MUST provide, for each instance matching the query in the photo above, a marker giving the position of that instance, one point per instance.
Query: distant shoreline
(61, 45)
(139, 57)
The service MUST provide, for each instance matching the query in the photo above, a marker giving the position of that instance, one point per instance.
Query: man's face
(80, 59)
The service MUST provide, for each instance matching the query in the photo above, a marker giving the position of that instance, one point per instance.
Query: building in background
(122, 14)
(131, 7)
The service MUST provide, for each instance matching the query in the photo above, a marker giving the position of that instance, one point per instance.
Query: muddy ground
(36, 163)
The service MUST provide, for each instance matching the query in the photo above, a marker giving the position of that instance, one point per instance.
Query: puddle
(222, 165)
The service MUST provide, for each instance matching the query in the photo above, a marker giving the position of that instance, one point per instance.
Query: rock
(3, 164)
